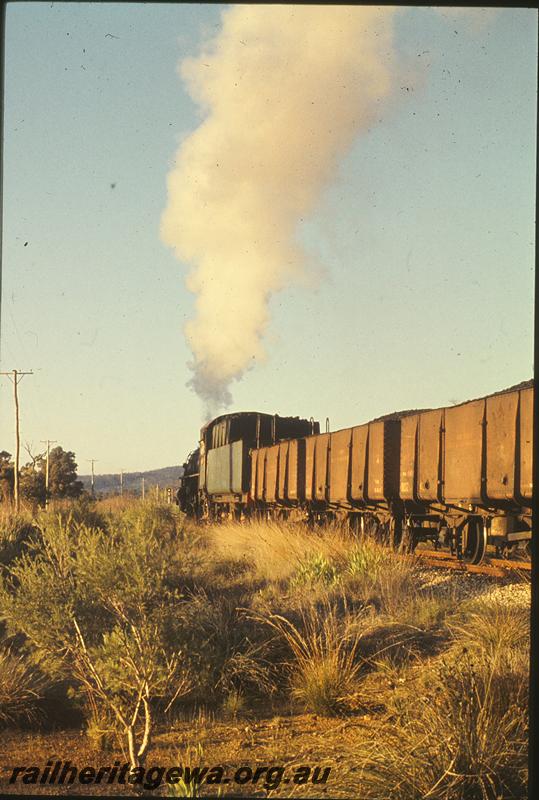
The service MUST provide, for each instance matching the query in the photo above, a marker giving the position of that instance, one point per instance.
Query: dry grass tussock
(494, 628)
(280, 550)
(324, 658)
(21, 688)
(276, 549)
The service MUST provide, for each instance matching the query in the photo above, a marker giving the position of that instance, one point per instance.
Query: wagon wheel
(474, 542)
(407, 542)
(375, 530)
(205, 510)
(381, 533)
(395, 533)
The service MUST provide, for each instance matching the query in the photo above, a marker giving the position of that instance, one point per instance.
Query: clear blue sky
(425, 234)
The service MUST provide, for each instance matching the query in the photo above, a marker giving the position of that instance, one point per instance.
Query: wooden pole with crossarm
(48, 442)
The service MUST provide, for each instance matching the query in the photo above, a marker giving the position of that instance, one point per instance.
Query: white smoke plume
(284, 91)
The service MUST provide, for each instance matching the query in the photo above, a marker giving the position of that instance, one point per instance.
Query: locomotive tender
(459, 477)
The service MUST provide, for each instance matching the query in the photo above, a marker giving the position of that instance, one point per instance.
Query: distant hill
(132, 481)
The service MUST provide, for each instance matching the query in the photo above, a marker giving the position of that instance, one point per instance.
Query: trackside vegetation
(122, 619)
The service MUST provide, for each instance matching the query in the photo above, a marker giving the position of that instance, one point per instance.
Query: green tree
(97, 608)
(32, 483)
(62, 474)
(6, 476)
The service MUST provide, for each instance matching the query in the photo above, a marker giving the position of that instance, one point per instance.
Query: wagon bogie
(469, 466)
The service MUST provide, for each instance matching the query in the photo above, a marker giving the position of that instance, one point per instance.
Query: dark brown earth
(290, 742)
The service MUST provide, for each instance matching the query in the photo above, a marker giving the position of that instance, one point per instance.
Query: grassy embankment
(293, 647)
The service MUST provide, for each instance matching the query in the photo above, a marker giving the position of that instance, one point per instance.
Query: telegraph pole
(143, 489)
(48, 442)
(121, 482)
(92, 462)
(15, 376)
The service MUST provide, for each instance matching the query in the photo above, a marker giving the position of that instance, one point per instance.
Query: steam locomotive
(459, 477)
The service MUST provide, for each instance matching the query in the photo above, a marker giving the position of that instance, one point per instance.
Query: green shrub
(380, 577)
(234, 705)
(95, 607)
(149, 518)
(17, 532)
(80, 511)
(315, 569)
(367, 560)
(102, 731)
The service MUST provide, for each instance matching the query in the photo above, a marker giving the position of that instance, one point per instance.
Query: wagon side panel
(358, 457)
(464, 452)
(408, 457)
(272, 456)
(321, 466)
(238, 467)
(339, 466)
(293, 475)
(260, 474)
(501, 452)
(218, 470)
(376, 464)
(310, 451)
(526, 444)
(429, 455)
(282, 469)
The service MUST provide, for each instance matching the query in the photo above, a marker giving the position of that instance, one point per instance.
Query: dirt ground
(289, 742)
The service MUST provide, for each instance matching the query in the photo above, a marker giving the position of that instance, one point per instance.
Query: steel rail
(496, 567)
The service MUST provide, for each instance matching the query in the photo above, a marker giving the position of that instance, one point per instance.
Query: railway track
(494, 567)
